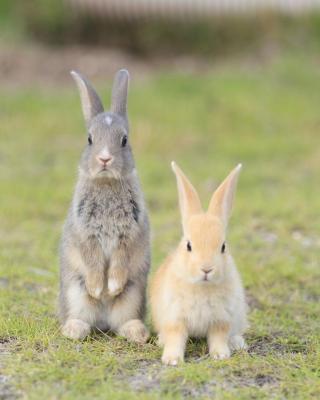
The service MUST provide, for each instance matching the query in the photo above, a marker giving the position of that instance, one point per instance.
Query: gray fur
(91, 103)
(105, 239)
(120, 93)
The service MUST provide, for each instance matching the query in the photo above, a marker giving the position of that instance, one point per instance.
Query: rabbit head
(108, 153)
(203, 252)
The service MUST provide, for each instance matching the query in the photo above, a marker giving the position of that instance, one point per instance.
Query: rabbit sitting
(197, 291)
(105, 250)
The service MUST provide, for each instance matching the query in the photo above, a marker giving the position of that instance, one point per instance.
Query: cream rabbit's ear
(222, 199)
(90, 101)
(188, 197)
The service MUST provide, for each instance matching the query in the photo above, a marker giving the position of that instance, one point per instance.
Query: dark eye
(189, 248)
(223, 248)
(124, 141)
(89, 139)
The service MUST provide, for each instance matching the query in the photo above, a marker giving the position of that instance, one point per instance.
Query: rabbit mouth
(206, 278)
(104, 170)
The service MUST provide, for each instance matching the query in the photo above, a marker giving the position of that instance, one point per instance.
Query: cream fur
(183, 303)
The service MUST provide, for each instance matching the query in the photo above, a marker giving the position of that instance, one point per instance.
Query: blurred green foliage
(46, 20)
(54, 22)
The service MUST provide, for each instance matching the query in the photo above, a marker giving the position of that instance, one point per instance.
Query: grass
(265, 116)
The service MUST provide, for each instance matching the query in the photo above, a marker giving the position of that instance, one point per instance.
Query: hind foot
(76, 329)
(134, 331)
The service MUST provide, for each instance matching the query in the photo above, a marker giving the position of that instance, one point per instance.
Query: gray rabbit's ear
(91, 103)
(120, 93)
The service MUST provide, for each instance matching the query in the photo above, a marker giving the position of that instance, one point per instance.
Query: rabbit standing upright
(197, 291)
(105, 250)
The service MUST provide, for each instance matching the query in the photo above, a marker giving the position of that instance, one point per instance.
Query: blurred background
(213, 83)
(42, 39)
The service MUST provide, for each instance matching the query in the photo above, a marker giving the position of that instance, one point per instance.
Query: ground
(265, 115)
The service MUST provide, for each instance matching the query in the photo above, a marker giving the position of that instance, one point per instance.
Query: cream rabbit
(197, 291)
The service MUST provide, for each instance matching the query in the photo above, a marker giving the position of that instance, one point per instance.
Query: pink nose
(104, 161)
(206, 270)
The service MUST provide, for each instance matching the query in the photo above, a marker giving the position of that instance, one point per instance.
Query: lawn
(267, 117)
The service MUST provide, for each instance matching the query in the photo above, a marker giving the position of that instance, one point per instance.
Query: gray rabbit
(105, 249)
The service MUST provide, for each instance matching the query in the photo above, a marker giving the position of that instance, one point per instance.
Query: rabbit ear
(120, 93)
(188, 197)
(91, 103)
(222, 199)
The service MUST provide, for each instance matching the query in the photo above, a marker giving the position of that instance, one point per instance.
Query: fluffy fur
(197, 291)
(105, 250)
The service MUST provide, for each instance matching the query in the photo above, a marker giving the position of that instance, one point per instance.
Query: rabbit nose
(207, 270)
(104, 161)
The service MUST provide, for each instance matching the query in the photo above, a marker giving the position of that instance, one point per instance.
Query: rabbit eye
(124, 141)
(189, 248)
(90, 139)
(223, 248)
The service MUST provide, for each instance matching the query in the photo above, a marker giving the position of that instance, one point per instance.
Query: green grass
(266, 117)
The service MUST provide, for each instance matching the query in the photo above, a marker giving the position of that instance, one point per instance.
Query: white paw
(98, 292)
(171, 359)
(220, 353)
(95, 291)
(75, 329)
(114, 287)
(237, 343)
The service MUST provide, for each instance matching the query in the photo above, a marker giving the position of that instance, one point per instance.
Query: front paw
(115, 287)
(117, 280)
(220, 352)
(171, 359)
(237, 342)
(94, 287)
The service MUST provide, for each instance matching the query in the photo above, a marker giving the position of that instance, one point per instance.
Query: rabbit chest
(109, 213)
(202, 309)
